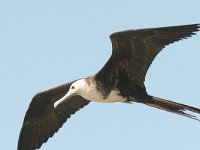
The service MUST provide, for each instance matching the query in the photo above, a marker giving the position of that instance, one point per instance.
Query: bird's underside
(120, 80)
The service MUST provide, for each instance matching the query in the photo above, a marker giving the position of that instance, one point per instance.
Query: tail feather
(173, 107)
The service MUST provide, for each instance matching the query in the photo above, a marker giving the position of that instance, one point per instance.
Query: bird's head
(75, 89)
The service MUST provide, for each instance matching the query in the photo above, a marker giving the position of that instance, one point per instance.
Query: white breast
(91, 93)
(115, 97)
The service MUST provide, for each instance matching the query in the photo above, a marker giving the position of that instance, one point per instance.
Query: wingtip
(196, 26)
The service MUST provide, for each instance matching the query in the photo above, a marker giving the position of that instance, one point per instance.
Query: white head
(75, 89)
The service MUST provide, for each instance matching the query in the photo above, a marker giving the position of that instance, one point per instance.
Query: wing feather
(42, 120)
(134, 50)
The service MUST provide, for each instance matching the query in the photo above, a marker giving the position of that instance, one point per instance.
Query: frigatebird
(120, 80)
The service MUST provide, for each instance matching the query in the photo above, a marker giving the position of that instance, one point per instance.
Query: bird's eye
(72, 87)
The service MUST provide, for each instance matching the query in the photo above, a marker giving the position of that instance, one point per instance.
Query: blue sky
(44, 43)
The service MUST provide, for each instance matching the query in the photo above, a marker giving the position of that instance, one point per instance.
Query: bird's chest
(92, 94)
(115, 96)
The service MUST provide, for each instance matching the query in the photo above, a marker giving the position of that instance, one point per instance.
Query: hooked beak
(64, 98)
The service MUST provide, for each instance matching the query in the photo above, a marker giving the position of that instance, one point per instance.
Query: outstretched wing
(134, 50)
(42, 120)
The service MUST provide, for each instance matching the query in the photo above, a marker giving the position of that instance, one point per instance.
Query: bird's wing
(42, 120)
(134, 50)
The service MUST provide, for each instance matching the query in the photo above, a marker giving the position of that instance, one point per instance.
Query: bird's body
(120, 80)
(88, 90)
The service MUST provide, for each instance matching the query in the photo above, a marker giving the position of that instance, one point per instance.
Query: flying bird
(121, 79)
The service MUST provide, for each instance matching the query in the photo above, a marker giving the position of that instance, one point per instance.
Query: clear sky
(44, 43)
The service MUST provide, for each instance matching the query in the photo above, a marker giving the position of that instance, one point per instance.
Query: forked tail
(173, 107)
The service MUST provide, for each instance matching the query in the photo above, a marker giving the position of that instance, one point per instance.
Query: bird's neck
(90, 91)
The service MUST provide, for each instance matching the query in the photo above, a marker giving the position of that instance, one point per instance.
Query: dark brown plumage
(42, 120)
(133, 53)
